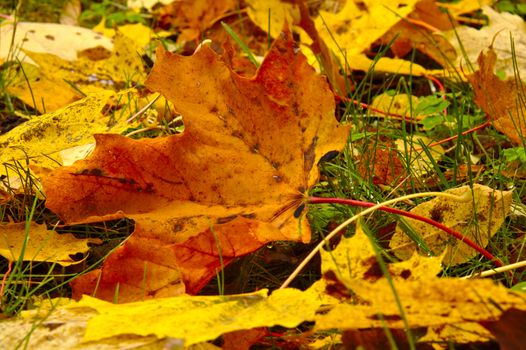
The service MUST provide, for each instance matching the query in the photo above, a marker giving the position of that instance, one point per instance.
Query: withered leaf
(500, 99)
(227, 185)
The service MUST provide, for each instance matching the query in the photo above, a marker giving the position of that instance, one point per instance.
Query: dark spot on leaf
(386, 317)
(299, 210)
(405, 274)
(226, 219)
(50, 37)
(436, 214)
(374, 272)
(149, 188)
(295, 107)
(237, 134)
(328, 156)
(92, 172)
(334, 287)
(277, 178)
(126, 181)
(308, 155)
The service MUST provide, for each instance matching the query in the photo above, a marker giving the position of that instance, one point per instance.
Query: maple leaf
(229, 184)
(448, 308)
(193, 17)
(499, 99)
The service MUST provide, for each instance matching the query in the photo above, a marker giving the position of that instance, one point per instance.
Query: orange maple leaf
(500, 99)
(224, 187)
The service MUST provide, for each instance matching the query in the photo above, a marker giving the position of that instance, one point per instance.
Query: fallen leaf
(501, 28)
(51, 88)
(60, 40)
(347, 31)
(243, 339)
(41, 244)
(270, 15)
(147, 4)
(500, 99)
(418, 159)
(381, 164)
(195, 319)
(227, 185)
(509, 329)
(377, 338)
(463, 7)
(138, 32)
(406, 36)
(400, 104)
(355, 258)
(429, 302)
(478, 220)
(192, 18)
(41, 139)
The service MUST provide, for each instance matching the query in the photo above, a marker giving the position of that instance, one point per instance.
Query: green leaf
(521, 287)
(513, 154)
(430, 105)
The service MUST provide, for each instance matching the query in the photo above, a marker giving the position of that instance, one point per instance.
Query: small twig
(143, 109)
(497, 270)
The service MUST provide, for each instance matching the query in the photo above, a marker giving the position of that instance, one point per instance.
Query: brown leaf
(191, 18)
(411, 36)
(244, 339)
(499, 98)
(227, 185)
(509, 329)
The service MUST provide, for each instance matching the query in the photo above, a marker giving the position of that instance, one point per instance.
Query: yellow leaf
(50, 88)
(367, 299)
(400, 104)
(60, 40)
(41, 245)
(417, 159)
(41, 139)
(137, 32)
(356, 26)
(465, 6)
(352, 256)
(195, 319)
(426, 303)
(147, 4)
(478, 220)
(277, 11)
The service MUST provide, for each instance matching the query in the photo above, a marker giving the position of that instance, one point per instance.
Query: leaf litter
(224, 188)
